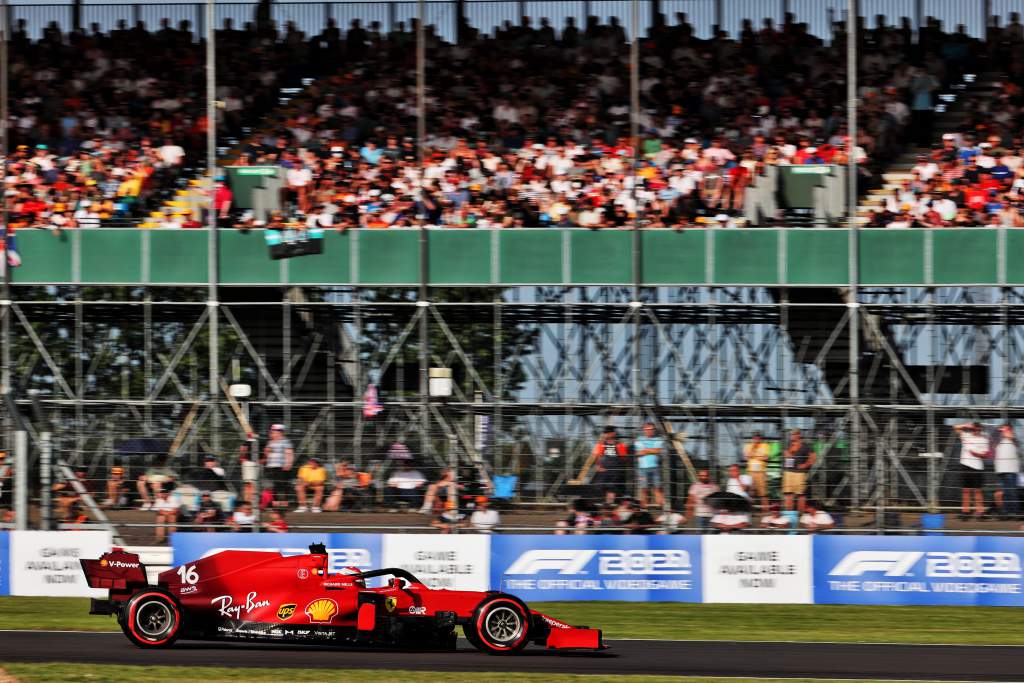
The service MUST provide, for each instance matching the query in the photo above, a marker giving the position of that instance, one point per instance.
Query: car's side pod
(119, 572)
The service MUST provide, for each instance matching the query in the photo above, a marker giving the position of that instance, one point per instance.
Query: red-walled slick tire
(151, 618)
(501, 625)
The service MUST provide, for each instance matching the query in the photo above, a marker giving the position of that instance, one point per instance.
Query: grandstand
(587, 213)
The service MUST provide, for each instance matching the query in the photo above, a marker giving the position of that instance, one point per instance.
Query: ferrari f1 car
(266, 596)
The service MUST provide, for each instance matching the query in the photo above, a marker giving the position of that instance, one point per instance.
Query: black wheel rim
(153, 619)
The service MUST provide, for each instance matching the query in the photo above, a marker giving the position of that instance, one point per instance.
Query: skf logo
(610, 562)
(284, 612)
(938, 565)
(390, 603)
(321, 611)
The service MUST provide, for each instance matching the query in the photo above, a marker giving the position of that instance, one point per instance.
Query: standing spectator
(799, 458)
(775, 519)
(610, 454)
(649, 451)
(974, 449)
(278, 457)
(756, 454)
(312, 476)
(405, 487)
(275, 523)
(737, 483)
(250, 471)
(815, 519)
(243, 518)
(166, 507)
(1007, 464)
(695, 505)
(484, 519)
(210, 514)
(213, 478)
(922, 107)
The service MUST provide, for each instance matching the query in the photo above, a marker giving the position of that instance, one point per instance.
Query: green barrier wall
(769, 257)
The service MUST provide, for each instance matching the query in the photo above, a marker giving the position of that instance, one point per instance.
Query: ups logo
(284, 612)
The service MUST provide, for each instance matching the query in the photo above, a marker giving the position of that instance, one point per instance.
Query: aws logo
(284, 612)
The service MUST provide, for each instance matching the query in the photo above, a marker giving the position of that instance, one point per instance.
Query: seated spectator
(484, 519)
(275, 523)
(243, 517)
(347, 487)
(167, 508)
(671, 522)
(445, 486)
(774, 519)
(449, 520)
(815, 519)
(579, 519)
(6, 471)
(209, 514)
(640, 521)
(405, 487)
(726, 522)
(312, 477)
(152, 481)
(69, 493)
(117, 489)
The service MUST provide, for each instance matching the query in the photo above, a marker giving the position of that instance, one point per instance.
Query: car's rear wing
(119, 572)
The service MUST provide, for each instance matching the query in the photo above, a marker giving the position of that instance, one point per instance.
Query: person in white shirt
(974, 448)
(484, 519)
(171, 154)
(737, 483)
(727, 522)
(406, 485)
(243, 518)
(166, 508)
(1007, 464)
(775, 519)
(815, 519)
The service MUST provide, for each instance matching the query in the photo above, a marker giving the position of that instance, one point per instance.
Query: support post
(422, 302)
(211, 225)
(853, 243)
(45, 480)
(21, 480)
(5, 295)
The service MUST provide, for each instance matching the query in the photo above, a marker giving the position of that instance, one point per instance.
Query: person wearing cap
(209, 514)
(312, 476)
(974, 450)
(278, 458)
(484, 519)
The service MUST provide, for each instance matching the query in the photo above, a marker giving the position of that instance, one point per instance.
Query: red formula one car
(264, 596)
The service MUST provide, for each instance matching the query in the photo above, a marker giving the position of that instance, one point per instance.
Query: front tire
(151, 618)
(500, 626)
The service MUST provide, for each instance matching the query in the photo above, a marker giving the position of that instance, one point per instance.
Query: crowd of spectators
(525, 128)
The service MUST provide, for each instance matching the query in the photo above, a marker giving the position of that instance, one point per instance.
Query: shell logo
(321, 611)
(103, 563)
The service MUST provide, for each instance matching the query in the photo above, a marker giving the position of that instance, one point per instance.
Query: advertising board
(765, 569)
(47, 562)
(456, 562)
(634, 568)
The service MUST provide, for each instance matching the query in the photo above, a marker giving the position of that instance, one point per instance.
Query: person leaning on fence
(775, 519)
(117, 488)
(974, 450)
(815, 519)
(796, 463)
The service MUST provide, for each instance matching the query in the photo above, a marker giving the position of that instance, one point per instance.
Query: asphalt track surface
(692, 658)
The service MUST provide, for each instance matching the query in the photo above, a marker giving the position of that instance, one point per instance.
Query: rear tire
(500, 626)
(151, 618)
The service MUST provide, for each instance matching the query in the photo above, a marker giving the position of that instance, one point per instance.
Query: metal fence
(488, 15)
